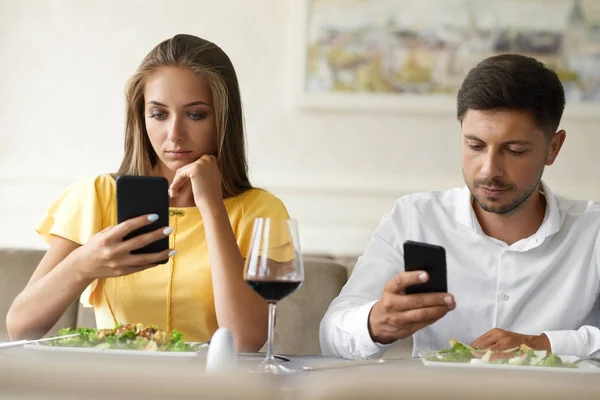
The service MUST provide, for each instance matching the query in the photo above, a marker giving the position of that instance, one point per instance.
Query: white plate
(65, 349)
(581, 368)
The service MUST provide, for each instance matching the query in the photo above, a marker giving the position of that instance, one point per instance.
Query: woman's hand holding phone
(107, 255)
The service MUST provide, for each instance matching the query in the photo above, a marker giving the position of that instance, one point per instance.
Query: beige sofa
(298, 316)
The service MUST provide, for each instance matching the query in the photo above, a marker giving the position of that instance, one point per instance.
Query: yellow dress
(177, 295)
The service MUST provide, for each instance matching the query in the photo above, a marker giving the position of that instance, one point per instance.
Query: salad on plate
(124, 337)
(518, 356)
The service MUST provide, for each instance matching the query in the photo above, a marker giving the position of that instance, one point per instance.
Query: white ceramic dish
(581, 368)
(64, 349)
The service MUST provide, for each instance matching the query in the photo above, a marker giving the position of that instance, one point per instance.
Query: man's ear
(555, 145)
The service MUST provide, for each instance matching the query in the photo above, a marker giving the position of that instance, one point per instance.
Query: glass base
(271, 367)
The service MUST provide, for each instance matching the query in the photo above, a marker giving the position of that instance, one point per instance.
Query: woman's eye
(157, 115)
(197, 116)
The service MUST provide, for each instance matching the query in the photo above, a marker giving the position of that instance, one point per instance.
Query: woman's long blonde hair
(214, 67)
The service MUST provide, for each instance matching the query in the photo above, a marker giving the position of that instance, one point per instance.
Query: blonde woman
(184, 122)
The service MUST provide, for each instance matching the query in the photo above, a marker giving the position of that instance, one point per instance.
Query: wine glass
(274, 269)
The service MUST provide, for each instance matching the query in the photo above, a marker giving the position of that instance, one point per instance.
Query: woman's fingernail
(448, 300)
(172, 253)
(170, 193)
(423, 277)
(153, 217)
(168, 230)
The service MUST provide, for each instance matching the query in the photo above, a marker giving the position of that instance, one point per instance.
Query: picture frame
(410, 102)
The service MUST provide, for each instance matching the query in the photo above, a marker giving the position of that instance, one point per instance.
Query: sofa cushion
(85, 317)
(16, 267)
(299, 315)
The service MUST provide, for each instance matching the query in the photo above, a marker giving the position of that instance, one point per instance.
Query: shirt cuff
(566, 343)
(365, 346)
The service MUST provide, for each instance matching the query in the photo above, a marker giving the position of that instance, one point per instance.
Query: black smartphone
(140, 195)
(430, 258)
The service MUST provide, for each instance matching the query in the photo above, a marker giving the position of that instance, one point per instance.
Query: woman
(183, 122)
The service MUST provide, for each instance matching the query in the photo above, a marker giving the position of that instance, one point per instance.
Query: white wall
(63, 65)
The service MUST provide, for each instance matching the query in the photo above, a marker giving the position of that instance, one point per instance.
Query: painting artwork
(425, 48)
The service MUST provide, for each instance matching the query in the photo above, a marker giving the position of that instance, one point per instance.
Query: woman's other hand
(205, 179)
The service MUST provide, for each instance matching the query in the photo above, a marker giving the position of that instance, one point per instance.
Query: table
(32, 375)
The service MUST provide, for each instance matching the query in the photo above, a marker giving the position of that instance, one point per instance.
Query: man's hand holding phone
(415, 298)
(398, 315)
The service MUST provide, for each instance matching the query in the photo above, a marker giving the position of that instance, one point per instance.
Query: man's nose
(492, 165)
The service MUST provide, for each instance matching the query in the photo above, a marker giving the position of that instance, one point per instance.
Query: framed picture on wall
(404, 55)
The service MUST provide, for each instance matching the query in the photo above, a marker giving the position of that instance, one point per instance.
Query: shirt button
(505, 297)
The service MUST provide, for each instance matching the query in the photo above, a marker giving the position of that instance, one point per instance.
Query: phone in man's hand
(430, 258)
(140, 195)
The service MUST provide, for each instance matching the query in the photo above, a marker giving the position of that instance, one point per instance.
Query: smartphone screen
(140, 195)
(430, 258)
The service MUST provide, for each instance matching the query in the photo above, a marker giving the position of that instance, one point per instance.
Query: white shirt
(547, 283)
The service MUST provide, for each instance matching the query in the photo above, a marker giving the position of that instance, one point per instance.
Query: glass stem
(270, 357)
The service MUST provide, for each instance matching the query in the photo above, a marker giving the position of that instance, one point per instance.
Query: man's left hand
(499, 339)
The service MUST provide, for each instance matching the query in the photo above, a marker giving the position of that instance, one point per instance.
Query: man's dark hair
(514, 82)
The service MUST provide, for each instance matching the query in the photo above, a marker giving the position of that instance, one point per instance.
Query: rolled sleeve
(582, 342)
(344, 330)
(565, 342)
(349, 336)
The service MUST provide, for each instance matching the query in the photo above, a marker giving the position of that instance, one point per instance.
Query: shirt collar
(552, 220)
(465, 214)
(464, 208)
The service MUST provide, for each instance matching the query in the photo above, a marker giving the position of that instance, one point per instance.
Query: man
(523, 263)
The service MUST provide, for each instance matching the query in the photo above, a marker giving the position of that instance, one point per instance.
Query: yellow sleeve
(264, 205)
(80, 212)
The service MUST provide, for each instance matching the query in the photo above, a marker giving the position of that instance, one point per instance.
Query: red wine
(273, 290)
